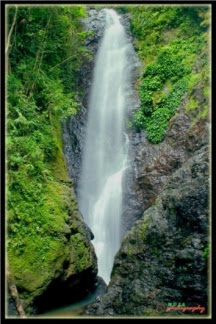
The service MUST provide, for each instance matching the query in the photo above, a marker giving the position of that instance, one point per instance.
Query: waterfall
(105, 152)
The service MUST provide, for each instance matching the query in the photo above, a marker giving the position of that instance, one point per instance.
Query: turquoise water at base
(73, 310)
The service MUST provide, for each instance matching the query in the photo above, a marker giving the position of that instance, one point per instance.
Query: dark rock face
(74, 140)
(161, 259)
(95, 22)
(152, 165)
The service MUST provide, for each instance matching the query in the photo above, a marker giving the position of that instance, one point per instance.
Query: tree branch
(11, 30)
(14, 293)
(62, 62)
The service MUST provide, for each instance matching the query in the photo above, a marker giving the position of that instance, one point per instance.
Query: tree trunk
(14, 294)
(11, 30)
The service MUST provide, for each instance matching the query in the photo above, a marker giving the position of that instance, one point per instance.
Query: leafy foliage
(46, 48)
(170, 40)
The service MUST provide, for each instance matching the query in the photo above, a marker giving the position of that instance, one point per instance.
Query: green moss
(80, 255)
(130, 250)
(36, 248)
(193, 81)
(128, 123)
(37, 240)
(206, 92)
(168, 85)
(192, 104)
(206, 252)
(42, 211)
(143, 230)
(35, 261)
(156, 96)
(58, 168)
(204, 113)
(169, 35)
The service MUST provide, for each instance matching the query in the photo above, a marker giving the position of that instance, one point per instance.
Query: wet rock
(101, 287)
(161, 258)
(95, 22)
(151, 165)
(74, 141)
(88, 231)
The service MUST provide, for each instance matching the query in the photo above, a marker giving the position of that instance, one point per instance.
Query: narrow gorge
(121, 226)
(104, 154)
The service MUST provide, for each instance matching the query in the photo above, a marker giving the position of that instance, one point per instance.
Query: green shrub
(168, 61)
(139, 119)
(44, 53)
(157, 124)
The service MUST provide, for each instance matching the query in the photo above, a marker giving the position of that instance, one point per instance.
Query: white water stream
(105, 152)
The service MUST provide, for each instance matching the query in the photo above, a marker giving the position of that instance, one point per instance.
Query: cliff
(164, 257)
(152, 165)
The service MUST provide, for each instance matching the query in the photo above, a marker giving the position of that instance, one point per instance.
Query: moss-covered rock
(55, 252)
(48, 244)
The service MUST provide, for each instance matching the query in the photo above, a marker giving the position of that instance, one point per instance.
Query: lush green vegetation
(173, 44)
(45, 48)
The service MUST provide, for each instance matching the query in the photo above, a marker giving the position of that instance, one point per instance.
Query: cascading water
(105, 152)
